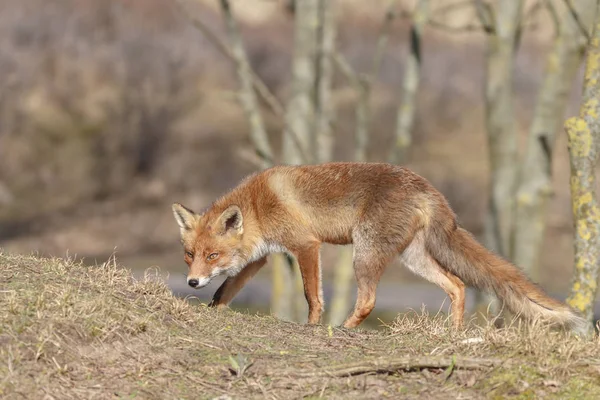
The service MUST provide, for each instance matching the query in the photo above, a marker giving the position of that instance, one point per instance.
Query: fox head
(212, 243)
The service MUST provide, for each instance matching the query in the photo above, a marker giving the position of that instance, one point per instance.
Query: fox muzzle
(198, 283)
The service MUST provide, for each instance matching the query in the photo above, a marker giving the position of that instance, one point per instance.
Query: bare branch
(345, 68)
(449, 8)
(535, 8)
(363, 88)
(383, 39)
(362, 84)
(485, 13)
(456, 29)
(555, 17)
(262, 89)
(258, 133)
(443, 26)
(580, 24)
(407, 109)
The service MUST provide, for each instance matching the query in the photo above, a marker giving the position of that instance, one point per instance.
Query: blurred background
(111, 110)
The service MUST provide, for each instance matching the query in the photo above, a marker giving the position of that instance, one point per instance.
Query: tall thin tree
(362, 83)
(502, 27)
(583, 134)
(300, 113)
(324, 107)
(405, 118)
(535, 181)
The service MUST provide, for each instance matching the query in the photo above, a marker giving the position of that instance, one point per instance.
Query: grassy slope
(71, 331)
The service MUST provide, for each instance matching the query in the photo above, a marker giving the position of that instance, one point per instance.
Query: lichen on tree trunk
(586, 214)
(583, 133)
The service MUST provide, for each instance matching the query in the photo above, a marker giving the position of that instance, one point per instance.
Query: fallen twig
(387, 365)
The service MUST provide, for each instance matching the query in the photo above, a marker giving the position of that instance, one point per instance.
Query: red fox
(383, 210)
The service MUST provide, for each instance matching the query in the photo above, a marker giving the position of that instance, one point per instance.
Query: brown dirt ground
(72, 331)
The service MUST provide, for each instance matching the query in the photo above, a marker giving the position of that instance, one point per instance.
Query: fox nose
(193, 282)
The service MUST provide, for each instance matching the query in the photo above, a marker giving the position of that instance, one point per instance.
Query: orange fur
(382, 209)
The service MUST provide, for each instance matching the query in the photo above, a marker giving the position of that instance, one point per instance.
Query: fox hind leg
(418, 260)
(373, 251)
(368, 268)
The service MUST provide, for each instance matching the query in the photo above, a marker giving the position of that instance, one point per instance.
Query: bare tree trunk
(261, 88)
(299, 299)
(583, 133)
(325, 112)
(502, 25)
(500, 121)
(300, 127)
(343, 271)
(535, 181)
(362, 83)
(361, 86)
(363, 119)
(407, 109)
(282, 287)
(282, 272)
(300, 115)
(258, 133)
(342, 279)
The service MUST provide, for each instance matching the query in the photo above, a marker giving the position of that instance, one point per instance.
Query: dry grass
(72, 331)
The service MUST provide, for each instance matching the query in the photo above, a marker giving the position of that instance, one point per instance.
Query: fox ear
(185, 217)
(231, 220)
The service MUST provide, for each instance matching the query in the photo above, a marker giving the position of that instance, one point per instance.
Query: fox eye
(212, 256)
(189, 254)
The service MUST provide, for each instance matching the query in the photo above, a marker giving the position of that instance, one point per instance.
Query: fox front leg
(310, 267)
(233, 284)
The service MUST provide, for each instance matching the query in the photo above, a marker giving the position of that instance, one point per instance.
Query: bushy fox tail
(462, 255)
